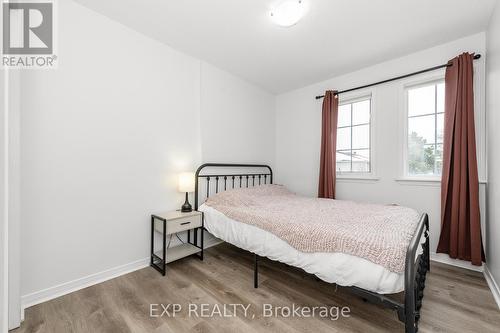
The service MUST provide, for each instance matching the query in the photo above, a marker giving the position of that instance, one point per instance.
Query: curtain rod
(477, 56)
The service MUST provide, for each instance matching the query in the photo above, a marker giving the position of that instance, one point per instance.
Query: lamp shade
(186, 182)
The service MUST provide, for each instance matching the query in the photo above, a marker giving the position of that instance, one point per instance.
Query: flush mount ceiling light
(288, 12)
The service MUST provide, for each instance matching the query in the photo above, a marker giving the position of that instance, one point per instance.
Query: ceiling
(333, 38)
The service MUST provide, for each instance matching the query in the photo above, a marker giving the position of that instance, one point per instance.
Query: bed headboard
(218, 177)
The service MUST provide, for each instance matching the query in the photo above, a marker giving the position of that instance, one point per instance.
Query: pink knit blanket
(379, 233)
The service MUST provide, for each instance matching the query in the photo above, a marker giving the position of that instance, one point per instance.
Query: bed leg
(256, 271)
(427, 245)
(410, 327)
(410, 307)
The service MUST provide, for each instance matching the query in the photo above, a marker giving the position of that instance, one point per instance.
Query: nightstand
(170, 223)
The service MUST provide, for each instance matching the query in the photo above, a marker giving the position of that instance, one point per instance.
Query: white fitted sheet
(342, 269)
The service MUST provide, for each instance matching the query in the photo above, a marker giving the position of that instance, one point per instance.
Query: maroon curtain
(326, 187)
(460, 220)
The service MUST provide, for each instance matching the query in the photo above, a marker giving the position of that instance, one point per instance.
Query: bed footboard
(416, 268)
(415, 274)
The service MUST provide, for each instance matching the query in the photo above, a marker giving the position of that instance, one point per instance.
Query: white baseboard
(445, 259)
(495, 290)
(84, 282)
(90, 280)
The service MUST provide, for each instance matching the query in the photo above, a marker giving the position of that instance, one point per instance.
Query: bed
(337, 241)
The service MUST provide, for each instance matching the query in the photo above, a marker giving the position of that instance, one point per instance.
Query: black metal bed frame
(416, 267)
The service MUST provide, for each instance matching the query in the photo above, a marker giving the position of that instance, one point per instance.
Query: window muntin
(353, 137)
(425, 129)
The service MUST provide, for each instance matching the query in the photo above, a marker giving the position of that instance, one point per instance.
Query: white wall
(103, 137)
(493, 118)
(298, 132)
(236, 117)
(9, 196)
(3, 206)
(13, 192)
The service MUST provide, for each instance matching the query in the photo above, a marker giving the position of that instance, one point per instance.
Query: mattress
(340, 268)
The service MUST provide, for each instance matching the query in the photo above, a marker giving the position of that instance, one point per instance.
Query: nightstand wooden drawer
(182, 224)
(179, 224)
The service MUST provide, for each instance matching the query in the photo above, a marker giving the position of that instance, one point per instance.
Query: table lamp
(186, 184)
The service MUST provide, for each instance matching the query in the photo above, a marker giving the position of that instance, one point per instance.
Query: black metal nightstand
(170, 223)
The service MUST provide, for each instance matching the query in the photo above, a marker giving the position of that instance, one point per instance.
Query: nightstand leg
(195, 237)
(164, 247)
(202, 234)
(152, 240)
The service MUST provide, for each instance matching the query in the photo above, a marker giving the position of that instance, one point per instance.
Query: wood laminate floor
(456, 300)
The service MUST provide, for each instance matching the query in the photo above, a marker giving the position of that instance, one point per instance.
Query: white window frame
(353, 97)
(479, 115)
(422, 82)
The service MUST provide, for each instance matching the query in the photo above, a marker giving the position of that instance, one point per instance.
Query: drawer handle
(184, 223)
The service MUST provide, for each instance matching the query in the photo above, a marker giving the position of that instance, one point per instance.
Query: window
(425, 109)
(353, 137)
